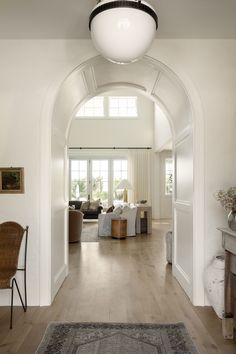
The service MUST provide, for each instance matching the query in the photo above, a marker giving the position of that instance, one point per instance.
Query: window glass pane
(74, 175)
(74, 165)
(100, 180)
(92, 108)
(116, 164)
(168, 176)
(83, 165)
(120, 171)
(79, 186)
(83, 174)
(123, 106)
(124, 164)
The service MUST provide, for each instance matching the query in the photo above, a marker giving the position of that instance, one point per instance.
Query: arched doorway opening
(183, 111)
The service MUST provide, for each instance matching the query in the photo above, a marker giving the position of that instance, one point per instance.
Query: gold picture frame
(12, 180)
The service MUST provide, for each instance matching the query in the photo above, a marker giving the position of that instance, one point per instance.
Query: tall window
(79, 179)
(97, 178)
(120, 171)
(92, 108)
(168, 176)
(100, 180)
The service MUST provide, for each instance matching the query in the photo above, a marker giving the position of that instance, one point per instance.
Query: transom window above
(123, 106)
(109, 107)
(92, 108)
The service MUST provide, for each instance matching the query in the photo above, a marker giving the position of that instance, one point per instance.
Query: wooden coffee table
(119, 228)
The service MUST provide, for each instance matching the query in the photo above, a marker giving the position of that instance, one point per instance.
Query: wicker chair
(11, 235)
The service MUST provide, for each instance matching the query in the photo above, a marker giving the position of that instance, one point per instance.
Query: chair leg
(25, 290)
(12, 295)
(22, 303)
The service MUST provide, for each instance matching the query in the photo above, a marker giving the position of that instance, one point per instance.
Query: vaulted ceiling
(68, 19)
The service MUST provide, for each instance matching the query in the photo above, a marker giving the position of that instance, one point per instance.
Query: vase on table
(214, 284)
(232, 220)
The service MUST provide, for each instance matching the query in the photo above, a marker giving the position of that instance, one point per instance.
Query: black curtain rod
(109, 148)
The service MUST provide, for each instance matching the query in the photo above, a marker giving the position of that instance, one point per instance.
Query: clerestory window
(109, 107)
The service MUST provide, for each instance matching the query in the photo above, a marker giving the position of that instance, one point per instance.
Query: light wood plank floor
(117, 281)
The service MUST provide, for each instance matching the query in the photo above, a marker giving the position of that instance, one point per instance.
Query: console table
(229, 318)
(143, 219)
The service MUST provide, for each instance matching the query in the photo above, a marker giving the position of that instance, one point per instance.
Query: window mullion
(89, 177)
(110, 182)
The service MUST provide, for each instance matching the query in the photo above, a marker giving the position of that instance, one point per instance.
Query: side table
(229, 319)
(144, 219)
(119, 228)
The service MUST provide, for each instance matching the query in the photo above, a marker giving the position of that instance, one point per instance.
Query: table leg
(228, 321)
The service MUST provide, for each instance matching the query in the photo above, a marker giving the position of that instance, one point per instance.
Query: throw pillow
(110, 210)
(117, 210)
(126, 208)
(94, 204)
(85, 206)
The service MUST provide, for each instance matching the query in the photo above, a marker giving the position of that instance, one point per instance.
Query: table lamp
(125, 185)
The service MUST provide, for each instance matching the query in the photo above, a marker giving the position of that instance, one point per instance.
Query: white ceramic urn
(214, 284)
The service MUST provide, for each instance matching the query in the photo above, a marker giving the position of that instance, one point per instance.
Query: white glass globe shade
(122, 34)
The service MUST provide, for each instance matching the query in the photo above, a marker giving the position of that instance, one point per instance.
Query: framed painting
(12, 180)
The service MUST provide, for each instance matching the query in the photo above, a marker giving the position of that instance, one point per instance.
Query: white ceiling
(68, 19)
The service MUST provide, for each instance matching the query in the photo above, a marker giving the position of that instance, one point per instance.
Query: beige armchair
(75, 225)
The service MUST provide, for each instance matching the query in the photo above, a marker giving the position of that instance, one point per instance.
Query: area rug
(116, 338)
(89, 232)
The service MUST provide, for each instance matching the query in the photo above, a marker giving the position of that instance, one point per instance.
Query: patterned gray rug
(116, 338)
(89, 232)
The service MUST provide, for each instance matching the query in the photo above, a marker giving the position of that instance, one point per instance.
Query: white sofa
(128, 213)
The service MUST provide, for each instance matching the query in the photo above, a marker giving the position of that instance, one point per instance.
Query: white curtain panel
(139, 175)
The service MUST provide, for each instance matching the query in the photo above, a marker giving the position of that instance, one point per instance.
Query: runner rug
(116, 338)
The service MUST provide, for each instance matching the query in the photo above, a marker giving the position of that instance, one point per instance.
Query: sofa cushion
(85, 206)
(110, 209)
(94, 204)
(117, 211)
(76, 203)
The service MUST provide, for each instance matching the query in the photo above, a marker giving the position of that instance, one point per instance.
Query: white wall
(210, 65)
(107, 132)
(29, 69)
(162, 131)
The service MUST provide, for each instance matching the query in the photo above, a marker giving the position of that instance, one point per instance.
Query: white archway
(182, 107)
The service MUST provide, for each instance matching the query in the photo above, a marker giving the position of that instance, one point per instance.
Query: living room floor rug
(116, 338)
(89, 232)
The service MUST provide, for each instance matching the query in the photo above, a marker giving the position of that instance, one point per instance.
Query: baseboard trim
(59, 279)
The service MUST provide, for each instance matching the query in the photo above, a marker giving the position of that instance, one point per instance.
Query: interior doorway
(121, 144)
(182, 110)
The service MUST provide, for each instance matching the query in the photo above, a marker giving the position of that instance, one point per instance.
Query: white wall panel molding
(183, 234)
(183, 135)
(157, 79)
(121, 85)
(90, 80)
(184, 279)
(182, 204)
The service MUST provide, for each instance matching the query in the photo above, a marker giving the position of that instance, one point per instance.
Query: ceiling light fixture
(122, 31)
